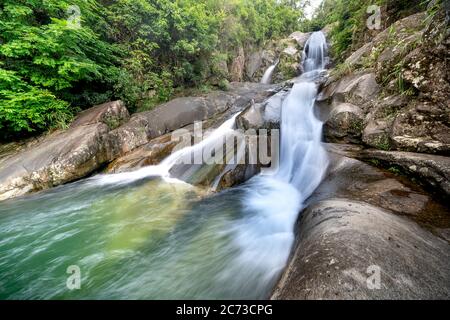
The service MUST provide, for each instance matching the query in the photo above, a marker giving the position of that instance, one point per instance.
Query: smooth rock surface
(362, 220)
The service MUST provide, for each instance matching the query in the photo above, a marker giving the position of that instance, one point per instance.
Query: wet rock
(431, 170)
(151, 153)
(356, 224)
(344, 124)
(285, 53)
(378, 122)
(99, 135)
(342, 243)
(237, 175)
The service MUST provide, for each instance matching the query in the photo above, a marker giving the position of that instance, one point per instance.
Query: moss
(383, 143)
(224, 85)
(395, 170)
(356, 127)
(112, 122)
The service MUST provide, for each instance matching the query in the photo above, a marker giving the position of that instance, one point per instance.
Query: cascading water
(315, 52)
(267, 77)
(140, 235)
(274, 201)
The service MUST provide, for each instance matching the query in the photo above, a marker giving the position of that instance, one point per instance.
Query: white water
(162, 170)
(272, 201)
(156, 240)
(315, 52)
(267, 77)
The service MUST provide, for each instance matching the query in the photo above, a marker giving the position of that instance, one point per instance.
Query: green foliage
(55, 61)
(349, 19)
(49, 62)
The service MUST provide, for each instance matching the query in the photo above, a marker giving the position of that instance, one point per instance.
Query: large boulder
(265, 115)
(180, 112)
(102, 134)
(359, 88)
(344, 124)
(352, 250)
(300, 37)
(151, 153)
(64, 155)
(390, 42)
(367, 234)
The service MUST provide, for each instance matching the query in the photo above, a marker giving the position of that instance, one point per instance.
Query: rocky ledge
(368, 234)
(106, 132)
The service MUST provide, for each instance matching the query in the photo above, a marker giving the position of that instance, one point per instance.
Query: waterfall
(273, 201)
(315, 52)
(137, 238)
(215, 138)
(267, 77)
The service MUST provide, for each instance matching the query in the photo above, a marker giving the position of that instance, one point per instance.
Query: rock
(379, 120)
(342, 243)
(394, 38)
(258, 62)
(94, 140)
(237, 175)
(151, 153)
(181, 112)
(344, 124)
(63, 156)
(425, 69)
(328, 28)
(301, 38)
(113, 114)
(266, 115)
(355, 224)
(290, 59)
(359, 88)
(431, 170)
(253, 63)
(356, 58)
(287, 52)
(238, 66)
(422, 127)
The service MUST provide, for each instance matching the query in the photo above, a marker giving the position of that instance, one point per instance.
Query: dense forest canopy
(58, 56)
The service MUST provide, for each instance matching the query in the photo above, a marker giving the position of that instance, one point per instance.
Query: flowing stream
(267, 76)
(147, 235)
